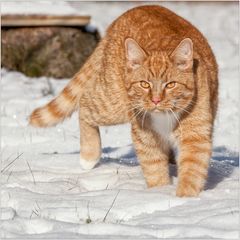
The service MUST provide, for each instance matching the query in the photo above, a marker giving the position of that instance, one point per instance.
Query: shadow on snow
(222, 163)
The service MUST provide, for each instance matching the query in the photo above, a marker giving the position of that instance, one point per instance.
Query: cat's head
(158, 81)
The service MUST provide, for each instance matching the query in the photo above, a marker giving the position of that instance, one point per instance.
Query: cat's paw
(88, 164)
(185, 189)
(159, 183)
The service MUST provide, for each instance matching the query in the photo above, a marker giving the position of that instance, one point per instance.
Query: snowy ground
(45, 194)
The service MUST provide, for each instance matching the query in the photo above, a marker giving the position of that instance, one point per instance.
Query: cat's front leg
(152, 155)
(193, 161)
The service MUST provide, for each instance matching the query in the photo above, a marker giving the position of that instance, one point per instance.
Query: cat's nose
(156, 100)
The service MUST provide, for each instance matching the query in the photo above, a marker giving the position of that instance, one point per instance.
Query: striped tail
(61, 107)
(68, 100)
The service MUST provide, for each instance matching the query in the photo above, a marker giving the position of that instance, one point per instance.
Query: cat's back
(155, 19)
(157, 28)
(153, 16)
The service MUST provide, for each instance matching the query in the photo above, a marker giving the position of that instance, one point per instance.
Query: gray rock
(47, 51)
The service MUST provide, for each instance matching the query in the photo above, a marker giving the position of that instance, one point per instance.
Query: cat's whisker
(181, 109)
(177, 121)
(134, 108)
(135, 105)
(168, 119)
(132, 117)
(141, 111)
(171, 121)
(136, 114)
(144, 115)
(165, 111)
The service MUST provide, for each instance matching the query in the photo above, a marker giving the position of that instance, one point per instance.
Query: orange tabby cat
(157, 71)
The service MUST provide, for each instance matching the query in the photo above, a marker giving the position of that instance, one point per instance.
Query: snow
(46, 194)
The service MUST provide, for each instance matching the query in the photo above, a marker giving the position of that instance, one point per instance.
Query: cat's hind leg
(90, 145)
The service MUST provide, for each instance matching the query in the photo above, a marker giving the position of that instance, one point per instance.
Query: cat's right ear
(135, 55)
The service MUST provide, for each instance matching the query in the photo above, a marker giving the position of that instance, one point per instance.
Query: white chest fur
(163, 123)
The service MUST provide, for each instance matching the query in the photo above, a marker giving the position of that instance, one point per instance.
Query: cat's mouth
(160, 109)
(156, 108)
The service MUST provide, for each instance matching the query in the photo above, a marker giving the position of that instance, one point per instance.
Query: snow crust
(46, 194)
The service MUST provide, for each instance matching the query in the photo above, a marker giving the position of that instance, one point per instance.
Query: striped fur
(67, 101)
(59, 108)
(154, 70)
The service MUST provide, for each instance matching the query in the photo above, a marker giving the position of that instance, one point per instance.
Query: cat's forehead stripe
(158, 71)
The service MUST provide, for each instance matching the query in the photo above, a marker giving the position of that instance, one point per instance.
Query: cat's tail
(60, 107)
(68, 100)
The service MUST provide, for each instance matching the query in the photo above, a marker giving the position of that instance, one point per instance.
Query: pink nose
(156, 100)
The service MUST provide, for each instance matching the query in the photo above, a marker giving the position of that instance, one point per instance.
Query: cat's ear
(183, 54)
(135, 55)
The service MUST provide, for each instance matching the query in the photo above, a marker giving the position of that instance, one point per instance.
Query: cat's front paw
(159, 183)
(187, 189)
(88, 164)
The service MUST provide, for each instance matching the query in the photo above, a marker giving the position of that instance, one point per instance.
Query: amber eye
(144, 84)
(171, 85)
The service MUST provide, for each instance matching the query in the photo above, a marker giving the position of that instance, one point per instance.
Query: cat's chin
(156, 110)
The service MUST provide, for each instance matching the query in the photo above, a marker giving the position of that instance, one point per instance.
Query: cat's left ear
(183, 54)
(135, 55)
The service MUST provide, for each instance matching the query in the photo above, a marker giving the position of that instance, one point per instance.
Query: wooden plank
(43, 20)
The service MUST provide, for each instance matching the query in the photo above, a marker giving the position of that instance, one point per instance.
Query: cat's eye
(171, 85)
(144, 84)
